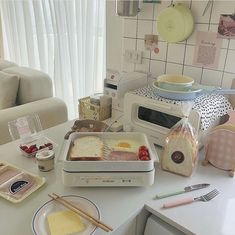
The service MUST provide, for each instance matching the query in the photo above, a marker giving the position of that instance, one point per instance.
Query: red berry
(49, 145)
(144, 158)
(32, 146)
(143, 153)
(28, 151)
(34, 150)
(143, 147)
(23, 147)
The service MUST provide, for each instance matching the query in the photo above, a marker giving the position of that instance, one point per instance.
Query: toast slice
(87, 148)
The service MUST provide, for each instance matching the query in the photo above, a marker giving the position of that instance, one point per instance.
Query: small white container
(29, 130)
(45, 160)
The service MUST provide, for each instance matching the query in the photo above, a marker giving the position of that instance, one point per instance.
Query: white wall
(114, 35)
(173, 57)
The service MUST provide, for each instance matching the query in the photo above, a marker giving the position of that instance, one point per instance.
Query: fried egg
(123, 145)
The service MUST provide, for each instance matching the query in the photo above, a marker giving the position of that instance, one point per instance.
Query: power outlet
(133, 56)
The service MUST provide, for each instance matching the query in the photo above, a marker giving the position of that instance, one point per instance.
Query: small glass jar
(45, 160)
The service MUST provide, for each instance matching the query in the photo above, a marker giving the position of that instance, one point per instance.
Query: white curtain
(64, 38)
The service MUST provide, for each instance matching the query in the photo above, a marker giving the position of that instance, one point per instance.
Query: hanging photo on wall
(151, 43)
(226, 28)
(207, 50)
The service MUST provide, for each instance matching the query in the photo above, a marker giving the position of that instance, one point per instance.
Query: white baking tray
(106, 165)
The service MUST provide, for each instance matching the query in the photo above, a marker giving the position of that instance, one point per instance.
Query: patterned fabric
(210, 107)
(220, 150)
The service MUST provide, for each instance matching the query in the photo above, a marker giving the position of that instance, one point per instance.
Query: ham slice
(122, 156)
(7, 173)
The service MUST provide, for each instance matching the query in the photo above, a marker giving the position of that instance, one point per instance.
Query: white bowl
(174, 82)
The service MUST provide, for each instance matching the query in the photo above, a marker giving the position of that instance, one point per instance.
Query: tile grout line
(150, 56)
(185, 46)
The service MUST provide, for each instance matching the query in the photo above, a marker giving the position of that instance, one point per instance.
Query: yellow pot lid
(175, 23)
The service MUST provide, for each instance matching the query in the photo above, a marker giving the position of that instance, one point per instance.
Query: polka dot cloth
(210, 107)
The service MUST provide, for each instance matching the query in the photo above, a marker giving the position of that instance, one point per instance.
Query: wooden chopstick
(79, 211)
(84, 212)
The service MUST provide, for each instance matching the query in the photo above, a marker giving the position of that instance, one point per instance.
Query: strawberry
(49, 145)
(23, 147)
(34, 150)
(144, 158)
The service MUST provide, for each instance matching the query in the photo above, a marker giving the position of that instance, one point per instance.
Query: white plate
(39, 221)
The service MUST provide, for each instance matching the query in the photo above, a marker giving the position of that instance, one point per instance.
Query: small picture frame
(151, 42)
(226, 27)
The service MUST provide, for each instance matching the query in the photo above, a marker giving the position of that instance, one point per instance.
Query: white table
(119, 205)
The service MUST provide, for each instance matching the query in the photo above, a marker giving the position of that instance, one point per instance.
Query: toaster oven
(154, 117)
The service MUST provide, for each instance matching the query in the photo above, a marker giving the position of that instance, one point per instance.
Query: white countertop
(118, 204)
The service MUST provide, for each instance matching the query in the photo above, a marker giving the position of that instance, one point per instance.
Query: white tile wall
(174, 68)
(214, 28)
(161, 55)
(146, 12)
(130, 27)
(221, 7)
(178, 57)
(188, 55)
(144, 27)
(141, 47)
(144, 67)
(230, 64)
(232, 44)
(222, 58)
(157, 67)
(197, 8)
(193, 72)
(211, 77)
(197, 27)
(175, 53)
(227, 80)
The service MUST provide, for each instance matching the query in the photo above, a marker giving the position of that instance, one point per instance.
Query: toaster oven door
(157, 117)
(153, 117)
(153, 120)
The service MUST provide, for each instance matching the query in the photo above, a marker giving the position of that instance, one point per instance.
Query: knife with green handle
(185, 190)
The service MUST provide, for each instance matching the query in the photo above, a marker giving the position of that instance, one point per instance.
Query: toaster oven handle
(165, 106)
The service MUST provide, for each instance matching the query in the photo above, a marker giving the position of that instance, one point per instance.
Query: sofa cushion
(34, 84)
(51, 111)
(9, 84)
(6, 64)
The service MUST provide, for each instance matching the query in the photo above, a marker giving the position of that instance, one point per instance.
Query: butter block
(64, 223)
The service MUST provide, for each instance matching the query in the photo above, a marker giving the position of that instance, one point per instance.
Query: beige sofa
(26, 91)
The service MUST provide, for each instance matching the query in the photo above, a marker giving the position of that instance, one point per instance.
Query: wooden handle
(178, 203)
